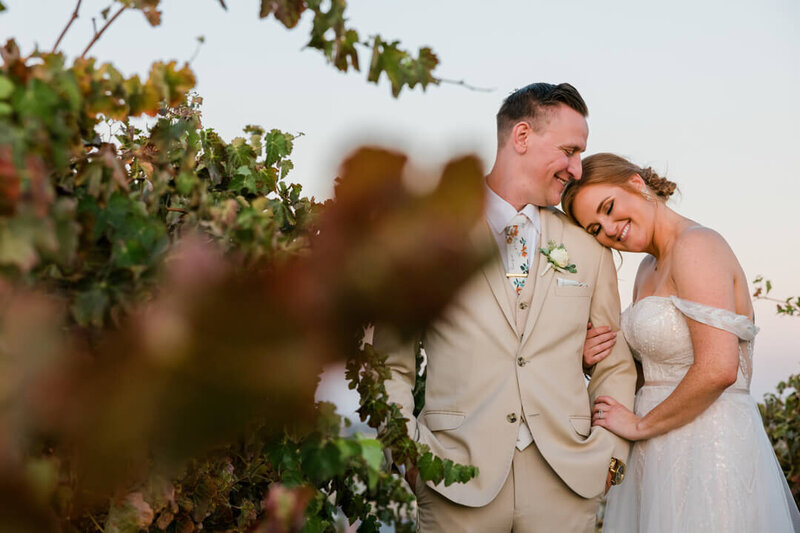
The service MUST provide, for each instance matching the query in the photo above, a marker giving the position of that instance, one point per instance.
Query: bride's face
(616, 216)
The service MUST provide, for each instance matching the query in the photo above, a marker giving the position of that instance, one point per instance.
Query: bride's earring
(646, 193)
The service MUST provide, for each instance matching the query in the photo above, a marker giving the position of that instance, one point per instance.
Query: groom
(505, 385)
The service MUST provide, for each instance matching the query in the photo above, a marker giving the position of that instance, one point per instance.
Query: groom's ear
(520, 136)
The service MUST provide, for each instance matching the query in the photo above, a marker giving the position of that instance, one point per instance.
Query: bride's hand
(615, 417)
(598, 344)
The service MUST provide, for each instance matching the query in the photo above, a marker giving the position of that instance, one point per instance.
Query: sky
(705, 92)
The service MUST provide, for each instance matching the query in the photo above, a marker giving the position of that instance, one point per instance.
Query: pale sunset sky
(706, 92)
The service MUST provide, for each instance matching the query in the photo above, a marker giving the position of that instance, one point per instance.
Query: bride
(701, 460)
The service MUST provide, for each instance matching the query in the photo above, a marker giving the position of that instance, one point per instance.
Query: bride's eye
(610, 207)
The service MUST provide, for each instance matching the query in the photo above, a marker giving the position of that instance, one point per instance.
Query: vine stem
(465, 85)
(771, 299)
(102, 30)
(66, 28)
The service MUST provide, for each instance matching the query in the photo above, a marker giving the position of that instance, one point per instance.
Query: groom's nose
(574, 167)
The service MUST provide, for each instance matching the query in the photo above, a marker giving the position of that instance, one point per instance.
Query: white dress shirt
(499, 214)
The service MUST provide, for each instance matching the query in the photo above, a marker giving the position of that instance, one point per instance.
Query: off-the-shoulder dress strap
(739, 325)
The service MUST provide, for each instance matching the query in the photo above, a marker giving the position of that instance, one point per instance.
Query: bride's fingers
(599, 421)
(611, 401)
(597, 353)
(604, 399)
(605, 408)
(592, 332)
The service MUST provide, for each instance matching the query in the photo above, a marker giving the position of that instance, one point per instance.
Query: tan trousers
(533, 500)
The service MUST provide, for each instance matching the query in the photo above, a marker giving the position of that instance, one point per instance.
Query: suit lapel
(552, 230)
(495, 274)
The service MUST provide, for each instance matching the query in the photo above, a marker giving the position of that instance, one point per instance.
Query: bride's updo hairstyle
(611, 169)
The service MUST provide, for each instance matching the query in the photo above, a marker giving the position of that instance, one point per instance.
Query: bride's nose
(611, 229)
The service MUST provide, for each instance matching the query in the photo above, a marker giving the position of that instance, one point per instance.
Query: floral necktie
(517, 251)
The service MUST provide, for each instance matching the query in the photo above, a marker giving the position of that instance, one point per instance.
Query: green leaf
(186, 182)
(429, 468)
(6, 87)
(279, 145)
(243, 181)
(372, 452)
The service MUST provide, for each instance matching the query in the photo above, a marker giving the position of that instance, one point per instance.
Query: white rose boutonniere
(557, 258)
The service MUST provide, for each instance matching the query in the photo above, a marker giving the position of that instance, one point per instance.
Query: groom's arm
(615, 375)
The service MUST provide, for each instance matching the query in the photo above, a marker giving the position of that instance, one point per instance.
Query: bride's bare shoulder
(699, 243)
(701, 258)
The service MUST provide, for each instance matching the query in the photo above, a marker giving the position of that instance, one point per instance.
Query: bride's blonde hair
(612, 169)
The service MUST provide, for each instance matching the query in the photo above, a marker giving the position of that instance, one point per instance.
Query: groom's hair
(532, 103)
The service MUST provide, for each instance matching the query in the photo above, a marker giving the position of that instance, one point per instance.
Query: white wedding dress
(717, 473)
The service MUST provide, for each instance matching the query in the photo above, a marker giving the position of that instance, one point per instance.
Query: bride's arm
(703, 270)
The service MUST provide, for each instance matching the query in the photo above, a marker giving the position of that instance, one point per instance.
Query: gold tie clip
(509, 275)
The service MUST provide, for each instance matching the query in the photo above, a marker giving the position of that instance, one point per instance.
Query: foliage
(789, 306)
(781, 411)
(781, 414)
(168, 299)
(330, 34)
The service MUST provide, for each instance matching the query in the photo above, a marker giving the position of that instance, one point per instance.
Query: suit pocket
(571, 290)
(581, 424)
(443, 420)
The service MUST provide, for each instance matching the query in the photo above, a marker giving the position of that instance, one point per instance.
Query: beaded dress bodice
(656, 330)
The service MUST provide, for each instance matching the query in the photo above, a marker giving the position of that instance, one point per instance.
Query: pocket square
(571, 283)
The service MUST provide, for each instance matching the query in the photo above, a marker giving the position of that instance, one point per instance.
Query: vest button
(521, 361)
(523, 305)
(512, 417)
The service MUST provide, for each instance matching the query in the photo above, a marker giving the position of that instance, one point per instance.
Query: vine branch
(466, 85)
(66, 28)
(99, 34)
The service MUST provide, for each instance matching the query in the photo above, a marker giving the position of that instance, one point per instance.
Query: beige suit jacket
(483, 375)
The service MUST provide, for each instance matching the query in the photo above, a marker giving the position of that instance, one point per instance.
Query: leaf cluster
(367, 372)
(168, 299)
(781, 414)
(339, 42)
(790, 306)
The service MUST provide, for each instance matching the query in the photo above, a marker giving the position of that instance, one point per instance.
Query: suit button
(521, 361)
(512, 417)
(523, 305)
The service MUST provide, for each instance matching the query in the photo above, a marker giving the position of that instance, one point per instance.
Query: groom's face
(553, 155)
